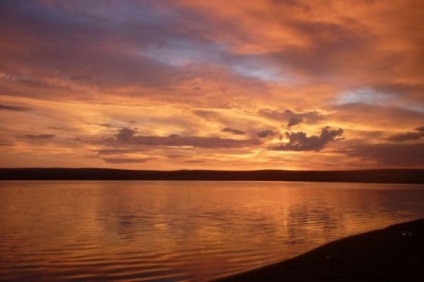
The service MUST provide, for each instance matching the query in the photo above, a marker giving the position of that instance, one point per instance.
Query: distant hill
(366, 176)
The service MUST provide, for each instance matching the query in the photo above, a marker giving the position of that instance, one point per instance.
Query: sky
(199, 84)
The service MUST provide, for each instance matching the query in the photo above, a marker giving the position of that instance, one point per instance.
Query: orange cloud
(231, 80)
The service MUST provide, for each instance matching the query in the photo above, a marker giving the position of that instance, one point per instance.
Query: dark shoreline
(395, 253)
(407, 176)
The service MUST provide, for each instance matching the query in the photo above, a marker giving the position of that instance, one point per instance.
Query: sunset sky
(193, 84)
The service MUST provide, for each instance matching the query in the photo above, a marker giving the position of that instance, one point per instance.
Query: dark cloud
(127, 137)
(107, 125)
(293, 121)
(126, 160)
(4, 142)
(299, 141)
(407, 136)
(39, 136)
(115, 151)
(389, 155)
(194, 161)
(420, 129)
(209, 115)
(291, 117)
(14, 108)
(125, 134)
(233, 131)
(265, 133)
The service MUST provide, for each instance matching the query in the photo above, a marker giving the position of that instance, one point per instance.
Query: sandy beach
(395, 253)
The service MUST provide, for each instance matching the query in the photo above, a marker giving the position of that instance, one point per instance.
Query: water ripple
(180, 231)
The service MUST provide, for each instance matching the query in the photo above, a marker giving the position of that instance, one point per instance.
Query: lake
(181, 230)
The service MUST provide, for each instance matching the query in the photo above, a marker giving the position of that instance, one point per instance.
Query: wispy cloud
(265, 133)
(14, 108)
(407, 136)
(233, 131)
(128, 137)
(39, 136)
(292, 118)
(126, 160)
(388, 155)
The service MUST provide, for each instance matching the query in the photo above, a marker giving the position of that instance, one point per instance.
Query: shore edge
(395, 253)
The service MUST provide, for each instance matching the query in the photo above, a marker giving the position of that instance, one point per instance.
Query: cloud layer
(299, 141)
(128, 137)
(211, 84)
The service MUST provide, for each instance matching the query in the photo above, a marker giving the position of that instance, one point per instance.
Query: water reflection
(181, 230)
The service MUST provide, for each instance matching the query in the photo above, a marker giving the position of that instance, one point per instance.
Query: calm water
(181, 231)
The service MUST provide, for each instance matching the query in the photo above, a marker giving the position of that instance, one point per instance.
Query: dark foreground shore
(392, 254)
